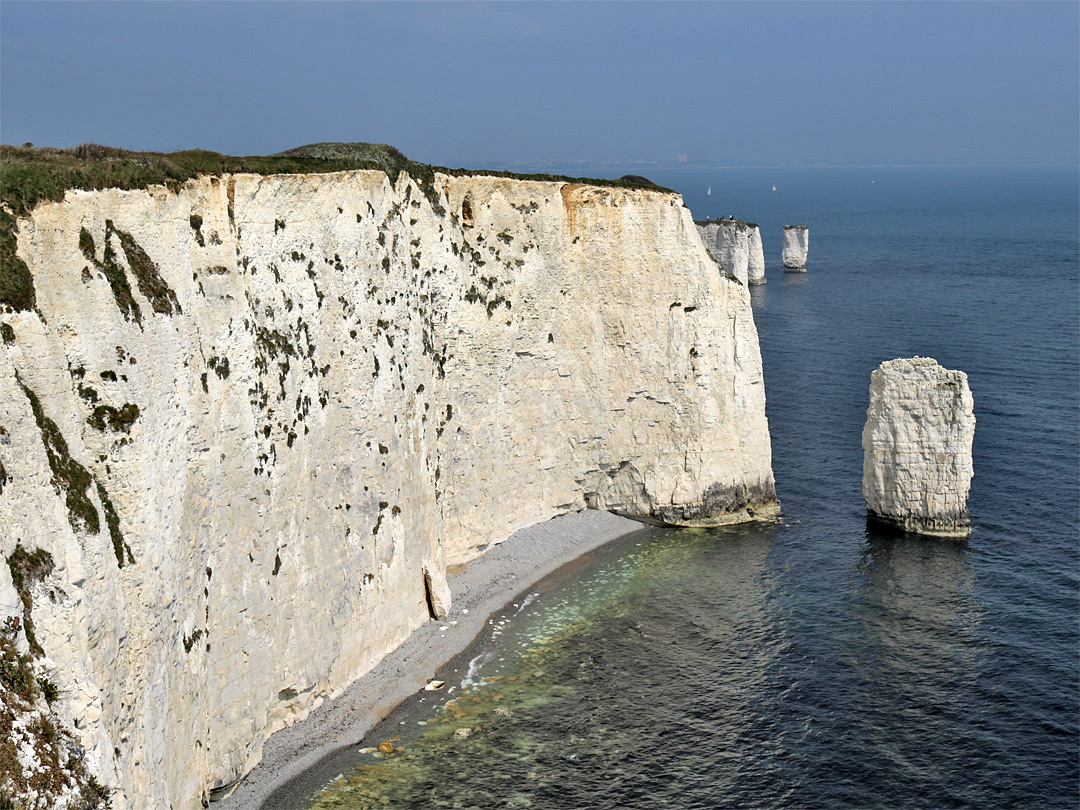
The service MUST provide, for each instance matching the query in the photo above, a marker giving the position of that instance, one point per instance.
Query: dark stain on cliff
(107, 417)
(196, 225)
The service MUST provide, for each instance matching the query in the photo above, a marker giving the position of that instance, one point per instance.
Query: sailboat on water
(709, 192)
(774, 187)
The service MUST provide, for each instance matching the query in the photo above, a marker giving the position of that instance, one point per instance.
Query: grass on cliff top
(30, 175)
(721, 221)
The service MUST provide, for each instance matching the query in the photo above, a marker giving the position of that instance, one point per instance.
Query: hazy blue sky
(479, 83)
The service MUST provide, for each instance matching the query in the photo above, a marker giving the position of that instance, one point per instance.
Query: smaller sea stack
(917, 465)
(796, 245)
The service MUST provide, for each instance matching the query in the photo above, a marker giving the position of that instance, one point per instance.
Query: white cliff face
(257, 418)
(730, 243)
(917, 440)
(755, 268)
(796, 245)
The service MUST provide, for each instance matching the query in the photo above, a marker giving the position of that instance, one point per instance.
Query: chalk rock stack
(735, 246)
(755, 269)
(796, 245)
(917, 465)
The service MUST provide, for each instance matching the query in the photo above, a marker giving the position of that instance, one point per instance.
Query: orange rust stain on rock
(230, 191)
(571, 199)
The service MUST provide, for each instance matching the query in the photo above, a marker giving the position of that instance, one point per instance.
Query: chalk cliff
(917, 465)
(736, 247)
(796, 246)
(253, 418)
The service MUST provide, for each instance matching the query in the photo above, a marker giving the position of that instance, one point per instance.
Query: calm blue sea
(815, 663)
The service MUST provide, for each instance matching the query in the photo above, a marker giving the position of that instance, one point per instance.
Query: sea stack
(755, 269)
(796, 245)
(735, 246)
(917, 447)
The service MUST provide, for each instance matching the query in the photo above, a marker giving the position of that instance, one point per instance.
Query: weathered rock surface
(917, 466)
(247, 413)
(796, 246)
(438, 591)
(736, 247)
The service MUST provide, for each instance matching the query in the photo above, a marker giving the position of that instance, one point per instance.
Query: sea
(813, 662)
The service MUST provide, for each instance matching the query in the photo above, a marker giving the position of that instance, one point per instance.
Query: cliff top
(30, 175)
(796, 228)
(725, 221)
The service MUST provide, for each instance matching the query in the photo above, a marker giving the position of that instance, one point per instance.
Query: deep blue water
(814, 663)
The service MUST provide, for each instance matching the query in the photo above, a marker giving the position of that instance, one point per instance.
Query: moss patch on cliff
(28, 567)
(16, 283)
(160, 295)
(70, 478)
(121, 549)
(107, 417)
(112, 271)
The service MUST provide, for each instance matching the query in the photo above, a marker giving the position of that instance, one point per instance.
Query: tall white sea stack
(755, 269)
(917, 465)
(796, 245)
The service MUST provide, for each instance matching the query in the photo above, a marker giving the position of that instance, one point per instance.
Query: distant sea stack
(735, 246)
(917, 465)
(796, 246)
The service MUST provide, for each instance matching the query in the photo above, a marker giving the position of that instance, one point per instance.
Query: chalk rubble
(796, 246)
(917, 465)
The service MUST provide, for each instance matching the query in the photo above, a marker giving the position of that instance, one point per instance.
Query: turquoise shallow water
(814, 663)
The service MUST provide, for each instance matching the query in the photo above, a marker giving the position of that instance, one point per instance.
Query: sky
(491, 84)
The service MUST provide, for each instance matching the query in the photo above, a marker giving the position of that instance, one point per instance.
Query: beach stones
(796, 246)
(917, 465)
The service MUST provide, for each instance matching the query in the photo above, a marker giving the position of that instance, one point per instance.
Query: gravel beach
(486, 585)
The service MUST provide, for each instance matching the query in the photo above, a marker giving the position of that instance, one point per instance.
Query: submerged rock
(796, 246)
(917, 440)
